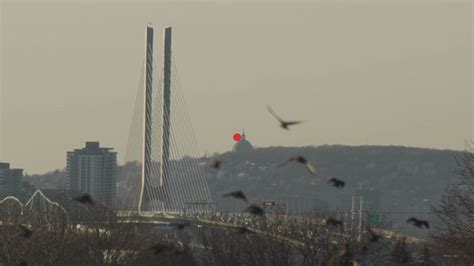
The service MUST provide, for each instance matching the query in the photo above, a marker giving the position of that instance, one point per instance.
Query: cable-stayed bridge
(162, 141)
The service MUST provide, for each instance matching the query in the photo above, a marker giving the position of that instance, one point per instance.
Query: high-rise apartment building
(92, 170)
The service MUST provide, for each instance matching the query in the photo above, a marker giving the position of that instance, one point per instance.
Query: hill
(395, 181)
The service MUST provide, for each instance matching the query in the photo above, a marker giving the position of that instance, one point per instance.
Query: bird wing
(236, 194)
(242, 196)
(255, 210)
(310, 168)
(274, 115)
(290, 123)
(231, 194)
(426, 224)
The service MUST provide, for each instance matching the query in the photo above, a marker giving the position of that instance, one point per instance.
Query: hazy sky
(395, 72)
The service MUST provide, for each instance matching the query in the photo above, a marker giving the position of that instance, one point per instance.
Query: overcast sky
(390, 72)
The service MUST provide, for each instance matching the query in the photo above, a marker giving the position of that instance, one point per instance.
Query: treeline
(390, 178)
(113, 243)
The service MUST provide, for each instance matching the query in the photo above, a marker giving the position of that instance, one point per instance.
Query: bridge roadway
(167, 219)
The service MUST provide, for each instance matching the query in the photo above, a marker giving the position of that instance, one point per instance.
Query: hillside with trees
(394, 181)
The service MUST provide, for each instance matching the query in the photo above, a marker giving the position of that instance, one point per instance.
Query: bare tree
(401, 254)
(425, 257)
(454, 230)
(290, 240)
(44, 236)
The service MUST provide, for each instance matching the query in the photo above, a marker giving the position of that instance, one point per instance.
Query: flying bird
(180, 226)
(85, 199)
(418, 223)
(334, 222)
(216, 164)
(373, 236)
(283, 124)
(26, 232)
(300, 159)
(336, 182)
(255, 210)
(236, 194)
(243, 230)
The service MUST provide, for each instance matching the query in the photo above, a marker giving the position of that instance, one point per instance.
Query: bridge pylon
(172, 178)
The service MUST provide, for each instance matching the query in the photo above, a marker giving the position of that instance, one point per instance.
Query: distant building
(242, 145)
(92, 170)
(10, 181)
(4, 175)
(15, 182)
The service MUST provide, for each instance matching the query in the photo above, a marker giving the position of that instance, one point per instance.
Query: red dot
(237, 137)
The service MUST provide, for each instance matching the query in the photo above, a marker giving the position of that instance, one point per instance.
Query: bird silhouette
(243, 230)
(180, 226)
(333, 222)
(255, 210)
(216, 164)
(283, 124)
(236, 194)
(26, 232)
(85, 199)
(418, 223)
(373, 236)
(336, 182)
(300, 159)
